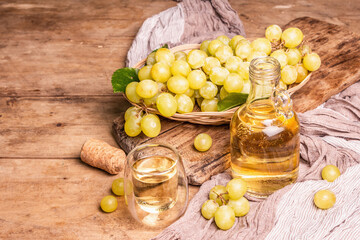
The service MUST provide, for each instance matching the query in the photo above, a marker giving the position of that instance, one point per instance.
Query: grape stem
(223, 200)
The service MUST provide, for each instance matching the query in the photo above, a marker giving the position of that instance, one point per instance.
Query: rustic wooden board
(55, 127)
(59, 198)
(338, 49)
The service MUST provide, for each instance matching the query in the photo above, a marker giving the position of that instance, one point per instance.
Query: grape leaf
(231, 101)
(122, 77)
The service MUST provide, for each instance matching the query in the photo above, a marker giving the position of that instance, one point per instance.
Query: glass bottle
(264, 132)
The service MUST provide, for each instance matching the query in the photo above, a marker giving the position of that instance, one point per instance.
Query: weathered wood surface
(59, 198)
(341, 67)
(55, 50)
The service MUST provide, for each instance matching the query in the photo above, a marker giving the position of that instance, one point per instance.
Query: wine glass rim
(142, 146)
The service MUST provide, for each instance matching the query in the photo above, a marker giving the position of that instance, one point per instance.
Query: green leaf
(231, 101)
(122, 77)
(164, 46)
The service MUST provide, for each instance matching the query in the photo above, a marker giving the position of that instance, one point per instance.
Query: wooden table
(56, 60)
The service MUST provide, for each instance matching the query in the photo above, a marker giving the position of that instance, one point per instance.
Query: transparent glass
(156, 187)
(264, 132)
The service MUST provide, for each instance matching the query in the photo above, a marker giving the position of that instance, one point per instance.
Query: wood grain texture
(57, 198)
(199, 166)
(55, 127)
(338, 49)
(56, 57)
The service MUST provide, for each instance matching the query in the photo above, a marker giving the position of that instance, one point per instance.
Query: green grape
(214, 45)
(109, 203)
(292, 37)
(145, 72)
(233, 63)
(151, 102)
(197, 94)
(219, 195)
(281, 56)
(273, 33)
(247, 86)
(178, 84)
(117, 186)
(166, 104)
(223, 53)
(160, 72)
(224, 217)
(243, 50)
(224, 39)
(223, 93)
(190, 92)
(162, 87)
(132, 111)
(180, 67)
(305, 49)
(236, 188)
(261, 45)
(218, 75)
(202, 142)
(204, 46)
(301, 73)
(288, 74)
(210, 63)
(209, 90)
(254, 55)
(240, 206)
(131, 94)
(293, 56)
(132, 126)
(196, 79)
(324, 199)
(312, 61)
(209, 208)
(147, 88)
(199, 101)
(150, 60)
(243, 70)
(330, 173)
(150, 125)
(282, 85)
(209, 105)
(184, 103)
(234, 41)
(233, 83)
(164, 55)
(180, 56)
(196, 58)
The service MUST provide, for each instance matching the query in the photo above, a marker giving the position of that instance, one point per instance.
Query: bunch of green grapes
(177, 82)
(296, 58)
(226, 202)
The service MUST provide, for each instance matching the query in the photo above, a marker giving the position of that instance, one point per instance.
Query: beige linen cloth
(330, 134)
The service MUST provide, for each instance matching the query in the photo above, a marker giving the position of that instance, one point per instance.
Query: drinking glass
(156, 187)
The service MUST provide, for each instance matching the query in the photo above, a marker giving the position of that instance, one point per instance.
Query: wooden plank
(72, 48)
(46, 198)
(62, 48)
(55, 127)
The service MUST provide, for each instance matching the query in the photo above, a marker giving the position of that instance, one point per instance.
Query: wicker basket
(198, 117)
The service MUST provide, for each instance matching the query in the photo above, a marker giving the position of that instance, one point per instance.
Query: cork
(101, 155)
